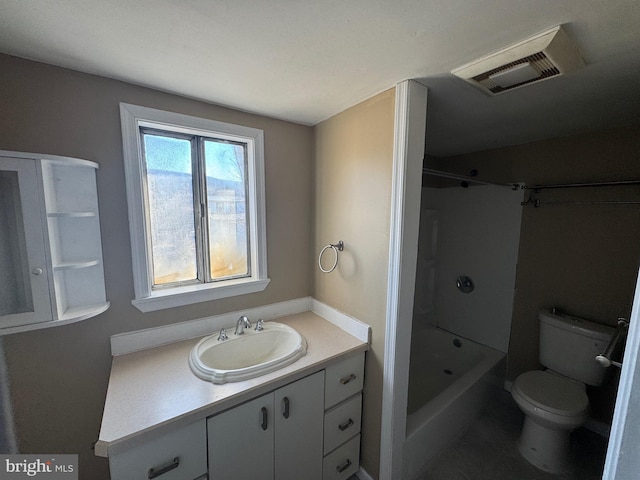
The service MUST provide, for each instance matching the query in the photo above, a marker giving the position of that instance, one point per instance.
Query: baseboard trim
(363, 475)
(598, 426)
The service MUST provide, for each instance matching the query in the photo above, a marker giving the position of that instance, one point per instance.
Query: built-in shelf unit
(51, 269)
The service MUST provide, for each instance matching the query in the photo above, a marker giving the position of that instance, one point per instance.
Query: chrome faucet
(243, 322)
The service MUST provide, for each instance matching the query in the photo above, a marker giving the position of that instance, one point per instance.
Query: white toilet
(554, 401)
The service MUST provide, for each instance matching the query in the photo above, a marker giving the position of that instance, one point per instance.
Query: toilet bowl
(554, 400)
(554, 406)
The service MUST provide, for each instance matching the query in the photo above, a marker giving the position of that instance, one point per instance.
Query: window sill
(177, 297)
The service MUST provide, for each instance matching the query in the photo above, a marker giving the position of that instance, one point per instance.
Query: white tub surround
(451, 380)
(153, 391)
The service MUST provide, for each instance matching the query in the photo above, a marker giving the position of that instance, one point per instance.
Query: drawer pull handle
(345, 425)
(344, 466)
(345, 380)
(154, 473)
(265, 418)
(285, 407)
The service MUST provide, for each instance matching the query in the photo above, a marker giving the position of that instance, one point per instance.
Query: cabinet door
(299, 425)
(241, 441)
(24, 286)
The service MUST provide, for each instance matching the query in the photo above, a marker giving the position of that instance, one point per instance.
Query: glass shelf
(70, 214)
(75, 265)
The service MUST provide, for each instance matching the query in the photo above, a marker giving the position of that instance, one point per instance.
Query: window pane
(171, 211)
(225, 165)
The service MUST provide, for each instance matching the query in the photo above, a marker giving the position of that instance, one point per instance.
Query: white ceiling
(305, 61)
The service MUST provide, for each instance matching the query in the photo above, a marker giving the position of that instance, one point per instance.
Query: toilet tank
(569, 345)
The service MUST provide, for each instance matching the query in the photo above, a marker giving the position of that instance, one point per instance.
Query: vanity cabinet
(51, 268)
(275, 436)
(308, 429)
(300, 423)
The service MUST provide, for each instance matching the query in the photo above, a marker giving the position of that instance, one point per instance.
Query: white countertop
(153, 391)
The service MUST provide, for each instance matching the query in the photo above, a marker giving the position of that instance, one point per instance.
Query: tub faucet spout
(243, 322)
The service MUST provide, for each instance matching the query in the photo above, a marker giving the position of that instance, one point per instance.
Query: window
(195, 189)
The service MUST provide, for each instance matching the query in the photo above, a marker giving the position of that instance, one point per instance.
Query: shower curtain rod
(463, 178)
(534, 202)
(521, 186)
(580, 185)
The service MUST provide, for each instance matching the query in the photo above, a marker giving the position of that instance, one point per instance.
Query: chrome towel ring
(336, 248)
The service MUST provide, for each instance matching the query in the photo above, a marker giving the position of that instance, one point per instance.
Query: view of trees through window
(196, 196)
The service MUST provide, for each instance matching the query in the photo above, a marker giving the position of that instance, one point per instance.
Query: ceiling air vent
(546, 55)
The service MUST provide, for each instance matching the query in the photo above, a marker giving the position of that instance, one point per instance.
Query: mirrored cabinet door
(24, 287)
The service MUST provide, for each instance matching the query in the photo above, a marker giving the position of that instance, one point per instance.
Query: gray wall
(581, 258)
(59, 375)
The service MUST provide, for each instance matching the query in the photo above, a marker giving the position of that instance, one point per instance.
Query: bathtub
(451, 379)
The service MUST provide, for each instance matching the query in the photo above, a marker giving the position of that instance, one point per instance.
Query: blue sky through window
(168, 154)
(225, 161)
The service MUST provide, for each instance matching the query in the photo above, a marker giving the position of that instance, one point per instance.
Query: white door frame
(623, 459)
(408, 155)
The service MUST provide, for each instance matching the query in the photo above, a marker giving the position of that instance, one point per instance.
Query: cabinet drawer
(342, 422)
(343, 380)
(342, 462)
(181, 454)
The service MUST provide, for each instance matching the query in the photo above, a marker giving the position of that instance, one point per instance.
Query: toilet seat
(552, 393)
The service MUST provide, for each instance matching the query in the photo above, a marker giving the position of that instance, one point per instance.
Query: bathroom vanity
(302, 421)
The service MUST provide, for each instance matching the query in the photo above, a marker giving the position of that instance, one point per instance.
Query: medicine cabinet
(51, 269)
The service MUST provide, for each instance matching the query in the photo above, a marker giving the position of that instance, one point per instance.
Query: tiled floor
(487, 451)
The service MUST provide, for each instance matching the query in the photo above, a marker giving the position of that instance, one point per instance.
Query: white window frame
(147, 299)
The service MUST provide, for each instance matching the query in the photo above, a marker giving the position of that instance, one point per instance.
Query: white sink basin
(241, 357)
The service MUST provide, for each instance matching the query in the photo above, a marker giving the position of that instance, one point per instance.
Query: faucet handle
(223, 335)
(259, 325)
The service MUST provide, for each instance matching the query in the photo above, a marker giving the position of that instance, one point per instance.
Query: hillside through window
(196, 192)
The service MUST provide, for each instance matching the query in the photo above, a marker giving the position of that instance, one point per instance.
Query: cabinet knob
(37, 271)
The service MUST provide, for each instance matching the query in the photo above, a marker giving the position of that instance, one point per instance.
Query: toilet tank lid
(577, 325)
